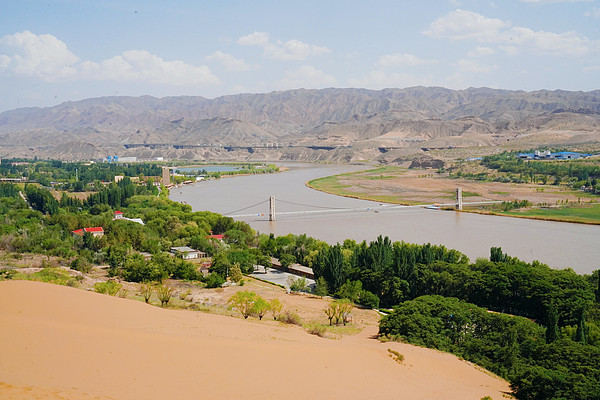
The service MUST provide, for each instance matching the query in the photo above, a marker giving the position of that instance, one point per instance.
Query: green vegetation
(508, 167)
(513, 347)
(399, 358)
(536, 326)
(589, 214)
(110, 287)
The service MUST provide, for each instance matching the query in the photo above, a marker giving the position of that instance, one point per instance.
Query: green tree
(552, 332)
(260, 307)
(581, 334)
(244, 301)
(275, 306)
(321, 287)
(350, 290)
(286, 260)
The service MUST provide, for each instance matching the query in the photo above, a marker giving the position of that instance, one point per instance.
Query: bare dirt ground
(63, 343)
(429, 187)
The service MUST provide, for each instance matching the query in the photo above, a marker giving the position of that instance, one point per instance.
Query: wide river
(557, 244)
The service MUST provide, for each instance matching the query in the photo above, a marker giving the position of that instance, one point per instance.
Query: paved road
(279, 277)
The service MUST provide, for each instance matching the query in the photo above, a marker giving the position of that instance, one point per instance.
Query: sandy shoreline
(59, 342)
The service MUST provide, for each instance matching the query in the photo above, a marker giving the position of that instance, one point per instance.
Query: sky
(65, 50)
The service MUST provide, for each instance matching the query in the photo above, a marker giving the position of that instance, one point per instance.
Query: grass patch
(399, 358)
(49, 275)
(579, 214)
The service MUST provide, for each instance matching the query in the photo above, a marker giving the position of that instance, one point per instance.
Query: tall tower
(272, 208)
(166, 175)
(459, 199)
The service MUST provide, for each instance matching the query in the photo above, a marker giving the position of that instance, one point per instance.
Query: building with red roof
(96, 231)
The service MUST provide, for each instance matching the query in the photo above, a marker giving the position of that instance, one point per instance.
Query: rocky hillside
(300, 124)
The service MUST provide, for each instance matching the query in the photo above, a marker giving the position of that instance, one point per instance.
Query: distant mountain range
(328, 124)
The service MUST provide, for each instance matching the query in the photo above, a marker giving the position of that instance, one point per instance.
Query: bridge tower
(166, 175)
(459, 199)
(272, 208)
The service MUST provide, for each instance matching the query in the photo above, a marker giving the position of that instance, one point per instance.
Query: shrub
(396, 356)
(368, 299)
(290, 317)
(317, 329)
(108, 287)
(164, 295)
(82, 265)
(235, 273)
(146, 292)
(214, 280)
(298, 285)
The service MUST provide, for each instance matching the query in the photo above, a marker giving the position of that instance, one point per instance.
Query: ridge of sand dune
(58, 342)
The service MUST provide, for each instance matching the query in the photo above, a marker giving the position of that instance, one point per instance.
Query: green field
(582, 214)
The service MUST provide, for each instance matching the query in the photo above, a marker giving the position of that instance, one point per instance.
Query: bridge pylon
(459, 199)
(272, 208)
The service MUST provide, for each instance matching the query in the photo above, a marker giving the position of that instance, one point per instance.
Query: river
(557, 244)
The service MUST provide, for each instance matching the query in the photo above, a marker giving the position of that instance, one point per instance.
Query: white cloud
(480, 51)
(255, 39)
(229, 62)
(461, 24)
(47, 58)
(402, 60)
(592, 68)
(472, 66)
(307, 77)
(381, 80)
(290, 50)
(464, 25)
(140, 65)
(43, 56)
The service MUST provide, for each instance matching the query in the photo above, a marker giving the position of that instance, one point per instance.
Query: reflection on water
(559, 245)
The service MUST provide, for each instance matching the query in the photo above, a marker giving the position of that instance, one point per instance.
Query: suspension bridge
(315, 209)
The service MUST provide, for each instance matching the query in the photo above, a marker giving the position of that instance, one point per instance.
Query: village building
(119, 215)
(96, 231)
(187, 253)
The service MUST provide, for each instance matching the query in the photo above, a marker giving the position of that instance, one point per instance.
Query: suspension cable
(245, 208)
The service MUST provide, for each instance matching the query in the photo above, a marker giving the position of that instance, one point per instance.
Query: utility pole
(459, 199)
(272, 208)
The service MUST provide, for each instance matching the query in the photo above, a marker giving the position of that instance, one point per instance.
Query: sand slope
(63, 343)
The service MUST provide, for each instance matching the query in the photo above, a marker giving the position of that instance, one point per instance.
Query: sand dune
(64, 343)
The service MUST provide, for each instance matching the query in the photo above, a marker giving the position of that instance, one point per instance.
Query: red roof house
(96, 231)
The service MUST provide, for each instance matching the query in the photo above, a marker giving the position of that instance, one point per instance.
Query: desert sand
(64, 343)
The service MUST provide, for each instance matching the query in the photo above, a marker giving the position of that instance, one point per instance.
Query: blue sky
(58, 50)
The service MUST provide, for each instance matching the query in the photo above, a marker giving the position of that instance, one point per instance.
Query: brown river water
(333, 219)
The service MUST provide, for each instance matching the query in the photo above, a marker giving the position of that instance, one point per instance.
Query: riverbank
(402, 186)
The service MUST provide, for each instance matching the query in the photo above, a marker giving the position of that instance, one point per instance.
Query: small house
(96, 231)
(187, 253)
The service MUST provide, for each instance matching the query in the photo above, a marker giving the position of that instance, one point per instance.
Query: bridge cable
(309, 205)
(245, 208)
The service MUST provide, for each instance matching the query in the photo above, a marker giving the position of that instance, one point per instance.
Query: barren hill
(298, 123)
